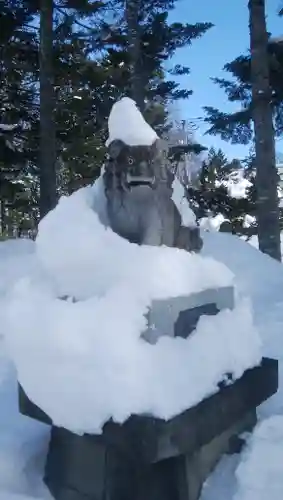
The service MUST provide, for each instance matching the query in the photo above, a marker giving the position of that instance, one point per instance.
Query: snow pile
(239, 188)
(249, 220)
(260, 474)
(16, 259)
(84, 362)
(85, 258)
(236, 184)
(23, 442)
(127, 124)
(253, 241)
(260, 277)
(222, 484)
(187, 215)
(212, 223)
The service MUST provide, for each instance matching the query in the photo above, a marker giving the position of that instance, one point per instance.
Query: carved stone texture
(138, 189)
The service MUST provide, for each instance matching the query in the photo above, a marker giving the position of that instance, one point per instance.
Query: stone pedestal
(194, 469)
(151, 459)
(147, 458)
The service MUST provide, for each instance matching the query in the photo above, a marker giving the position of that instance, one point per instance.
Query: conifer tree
(91, 69)
(211, 196)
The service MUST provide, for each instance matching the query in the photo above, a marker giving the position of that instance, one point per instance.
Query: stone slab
(163, 315)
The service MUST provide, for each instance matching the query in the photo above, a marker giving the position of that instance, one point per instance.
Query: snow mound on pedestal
(127, 124)
(84, 362)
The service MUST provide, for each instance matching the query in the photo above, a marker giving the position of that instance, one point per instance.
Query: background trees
(257, 87)
(225, 188)
(266, 173)
(60, 79)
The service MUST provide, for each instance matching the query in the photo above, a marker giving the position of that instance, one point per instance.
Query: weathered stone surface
(164, 315)
(139, 206)
(195, 469)
(189, 431)
(85, 467)
(30, 409)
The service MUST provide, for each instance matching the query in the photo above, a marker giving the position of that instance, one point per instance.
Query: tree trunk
(132, 18)
(266, 172)
(48, 195)
(3, 217)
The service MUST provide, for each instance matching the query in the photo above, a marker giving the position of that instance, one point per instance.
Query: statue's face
(135, 164)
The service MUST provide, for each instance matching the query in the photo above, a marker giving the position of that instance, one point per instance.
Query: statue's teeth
(135, 179)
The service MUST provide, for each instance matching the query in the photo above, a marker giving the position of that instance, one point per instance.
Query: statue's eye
(131, 161)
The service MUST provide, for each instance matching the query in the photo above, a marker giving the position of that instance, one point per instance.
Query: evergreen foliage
(237, 126)
(91, 70)
(212, 197)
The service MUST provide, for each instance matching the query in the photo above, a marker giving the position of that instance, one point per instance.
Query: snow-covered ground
(254, 242)
(259, 473)
(23, 442)
(237, 185)
(256, 474)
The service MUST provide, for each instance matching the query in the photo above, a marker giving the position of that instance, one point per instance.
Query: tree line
(63, 65)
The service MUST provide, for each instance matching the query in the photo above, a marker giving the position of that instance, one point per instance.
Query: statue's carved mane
(138, 189)
(123, 159)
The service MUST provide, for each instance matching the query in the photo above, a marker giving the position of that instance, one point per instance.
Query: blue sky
(206, 57)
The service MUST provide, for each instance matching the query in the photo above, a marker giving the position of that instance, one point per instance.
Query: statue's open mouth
(140, 180)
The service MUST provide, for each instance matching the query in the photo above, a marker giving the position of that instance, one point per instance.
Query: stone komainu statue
(138, 189)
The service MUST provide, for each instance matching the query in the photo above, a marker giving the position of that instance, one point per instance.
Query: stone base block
(151, 459)
(84, 468)
(195, 469)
